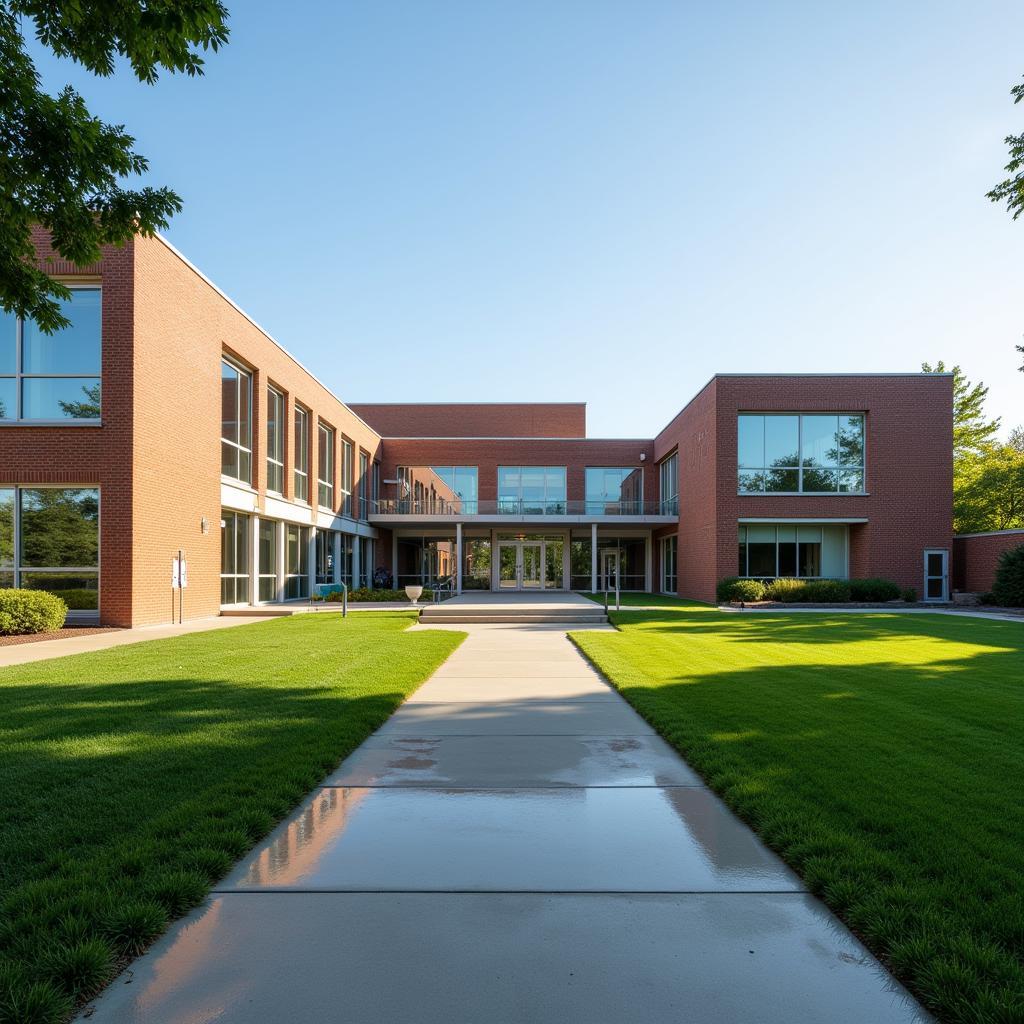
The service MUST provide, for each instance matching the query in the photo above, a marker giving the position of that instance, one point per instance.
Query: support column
(254, 561)
(282, 554)
(593, 558)
(394, 559)
(648, 548)
(312, 559)
(356, 561)
(458, 558)
(336, 557)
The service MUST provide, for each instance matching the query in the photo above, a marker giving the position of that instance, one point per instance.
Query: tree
(972, 432)
(60, 167)
(988, 489)
(1011, 189)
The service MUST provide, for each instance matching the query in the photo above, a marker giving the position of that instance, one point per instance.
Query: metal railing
(443, 589)
(520, 507)
(618, 601)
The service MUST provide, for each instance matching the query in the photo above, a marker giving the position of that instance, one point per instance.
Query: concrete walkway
(514, 845)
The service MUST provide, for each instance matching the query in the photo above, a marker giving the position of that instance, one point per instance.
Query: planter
(413, 593)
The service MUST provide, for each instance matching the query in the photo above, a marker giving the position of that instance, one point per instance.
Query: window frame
(276, 397)
(800, 468)
(550, 506)
(325, 485)
(241, 449)
(364, 484)
(20, 376)
(346, 476)
(668, 505)
(301, 448)
(244, 537)
(670, 564)
(599, 506)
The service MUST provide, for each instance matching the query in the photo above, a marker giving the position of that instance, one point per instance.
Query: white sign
(179, 574)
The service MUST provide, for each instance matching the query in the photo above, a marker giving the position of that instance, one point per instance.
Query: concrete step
(534, 617)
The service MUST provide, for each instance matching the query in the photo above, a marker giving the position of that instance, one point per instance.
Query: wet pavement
(514, 845)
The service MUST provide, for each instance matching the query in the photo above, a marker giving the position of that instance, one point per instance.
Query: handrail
(444, 586)
(520, 507)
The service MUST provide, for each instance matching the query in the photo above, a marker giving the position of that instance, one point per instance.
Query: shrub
(827, 591)
(735, 589)
(1008, 589)
(874, 590)
(377, 595)
(987, 598)
(909, 594)
(30, 611)
(788, 590)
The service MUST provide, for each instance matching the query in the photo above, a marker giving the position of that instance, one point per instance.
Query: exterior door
(936, 575)
(531, 562)
(508, 566)
(609, 569)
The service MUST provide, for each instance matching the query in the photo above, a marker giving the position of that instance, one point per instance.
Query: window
(669, 564)
(51, 377)
(275, 441)
(236, 422)
(791, 453)
(268, 560)
(301, 458)
(346, 477)
(325, 556)
(325, 466)
(364, 485)
(50, 540)
(769, 551)
(296, 562)
(614, 490)
(234, 558)
(533, 490)
(443, 489)
(668, 482)
(375, 491)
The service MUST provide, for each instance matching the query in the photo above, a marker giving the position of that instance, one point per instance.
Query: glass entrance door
(532, 567)
(609, 569)
(508, 566)
(936, 575)
(521, 565)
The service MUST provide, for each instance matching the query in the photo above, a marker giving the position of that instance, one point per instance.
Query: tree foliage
(971, 430)
(1011, 190)
(988, 490)
(62, 168)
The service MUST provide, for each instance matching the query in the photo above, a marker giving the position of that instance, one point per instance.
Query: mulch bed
(57, 634)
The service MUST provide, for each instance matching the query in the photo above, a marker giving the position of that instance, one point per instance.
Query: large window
(769, 551)
(268, 560)
(53, 377)
(364, 485)
(275, 441)
(444, 489)
(301, 458)
(346, 477)
(234, 558)
(668, 482)
(50, 540)
(324, 567)
(325, 466)
(533, 490)
(614, 490)
(669, 564)
(810, 454)
(296, 562)
(236, 422)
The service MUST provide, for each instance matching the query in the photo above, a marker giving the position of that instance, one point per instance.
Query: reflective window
(668, 482)
(536, 490)
(275, 441)
(364, 485)
(769, 551)
(268, 560)
(430, 489)
(325, 466)
(669, 567)
(234, 558)
(53, 376)
(789, 453)
(236, 422)
(296, 562)
(346, 477)
(300, 460)
(614, 490)
(325, 556)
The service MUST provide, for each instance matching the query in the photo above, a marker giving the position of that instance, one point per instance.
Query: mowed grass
(131, 779)
(632, 599)
(881, 755)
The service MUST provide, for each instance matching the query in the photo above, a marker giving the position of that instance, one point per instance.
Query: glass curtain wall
(669, 564)
(300, 459)
(668, 483)
(476, 563)
(767, 551)
(438, 489)
(325, 466)
(268, 560)
(236, 422)
(614, 490)
(324, 556)
(580, 562)
(424, 560)
(629, 555)
(296, 562)
(53, 377)
(531, 490)
(275, 441)
(234, 558)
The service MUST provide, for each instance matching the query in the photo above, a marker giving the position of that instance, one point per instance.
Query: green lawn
(131, 779)
(881, 755)
(635, 600)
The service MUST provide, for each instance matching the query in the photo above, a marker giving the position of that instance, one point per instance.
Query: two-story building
(165, 420)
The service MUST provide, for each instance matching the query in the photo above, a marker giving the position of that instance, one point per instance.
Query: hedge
(874, 590)
(376, 595)
(732, 588)
(793, 591)
(1008, 589)
(30, 611)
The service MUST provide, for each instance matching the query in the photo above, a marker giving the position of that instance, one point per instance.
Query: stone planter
(413, 593)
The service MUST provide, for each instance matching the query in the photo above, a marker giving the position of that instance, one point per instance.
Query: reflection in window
(669, 565)
(234, 558)
(533, 490)
(768, 551)
(268, 560)
(275, 441)
(347, 470)
(668, 483)
(790, 453)
(325, 466)
(236, 422)
(56, 376)
(438, 489)
(296, 562)
(301, 457)
(614, 490)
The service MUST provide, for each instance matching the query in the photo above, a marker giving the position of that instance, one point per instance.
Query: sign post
(179, 581)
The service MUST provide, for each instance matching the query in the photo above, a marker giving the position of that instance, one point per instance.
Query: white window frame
(282, 414)
(346, 477)
(247, 375)
(324, 431)
(301, 445)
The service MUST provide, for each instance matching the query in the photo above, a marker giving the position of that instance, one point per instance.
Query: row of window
(236, 446)
(53, 377)
(50, 540)
(792, 551)
(284, 575)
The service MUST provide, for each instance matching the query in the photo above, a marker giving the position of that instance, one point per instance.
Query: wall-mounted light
(643, 456)
(204, 525)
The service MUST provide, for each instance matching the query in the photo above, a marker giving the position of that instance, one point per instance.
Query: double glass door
(521, 565)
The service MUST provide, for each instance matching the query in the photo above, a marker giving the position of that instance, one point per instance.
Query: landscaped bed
(881, 755)
(131, 779)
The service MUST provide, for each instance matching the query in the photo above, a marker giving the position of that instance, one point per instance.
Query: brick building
(165, 419)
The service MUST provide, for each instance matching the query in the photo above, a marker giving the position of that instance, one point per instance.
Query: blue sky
(609, 202)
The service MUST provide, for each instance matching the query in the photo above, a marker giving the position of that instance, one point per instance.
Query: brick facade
(476, 419)
(976, 557)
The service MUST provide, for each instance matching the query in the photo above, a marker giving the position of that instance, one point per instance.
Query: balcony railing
(521, 507)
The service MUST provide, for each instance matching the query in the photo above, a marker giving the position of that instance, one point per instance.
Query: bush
(734, 589)
(874, 590)
(377, 595)
(827, 591)
(788, 590)
(1008, 589)
(30, 611)
(987, 598)
(909, 594)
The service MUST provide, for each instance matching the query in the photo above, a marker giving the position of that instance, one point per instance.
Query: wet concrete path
(514, 845)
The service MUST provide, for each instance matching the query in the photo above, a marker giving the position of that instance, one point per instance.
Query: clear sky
(583, 200)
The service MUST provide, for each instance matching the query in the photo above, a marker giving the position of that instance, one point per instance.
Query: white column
(282, 554)
(647, 563)
(356, 559)
(458, 558)
(593, 558)
(336, 557)
(254, 561)
(312, 558)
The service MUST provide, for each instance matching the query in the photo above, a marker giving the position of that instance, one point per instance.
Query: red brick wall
(976, 556)
(97, 456)
(476, 419)
(488, 455)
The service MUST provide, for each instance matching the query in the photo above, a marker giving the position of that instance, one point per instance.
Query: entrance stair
(552, 609)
